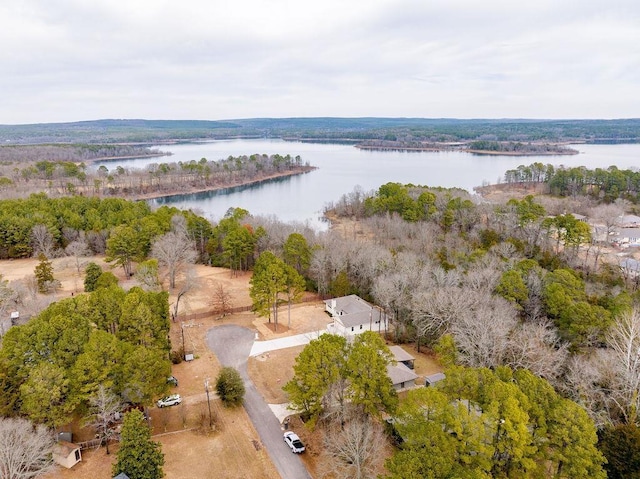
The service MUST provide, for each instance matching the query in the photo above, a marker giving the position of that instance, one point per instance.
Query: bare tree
(78, 249)
(354, 451)
(174, 251)
(624, 341)
(482, 333)
(25, 449)
(7, 298)
(189, 283)
(608, 216)
(222, 299)
(105, 408)
(41, 241)
(537, 347)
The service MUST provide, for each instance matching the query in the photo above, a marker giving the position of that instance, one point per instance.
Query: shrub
(230, 387)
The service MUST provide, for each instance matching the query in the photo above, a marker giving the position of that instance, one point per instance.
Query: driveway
(232, 346)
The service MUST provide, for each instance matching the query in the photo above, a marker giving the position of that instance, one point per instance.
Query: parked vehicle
(294, 442)
(170, 400)
(173, 381)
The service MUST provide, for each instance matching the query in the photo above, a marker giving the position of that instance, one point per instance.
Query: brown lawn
(232, 449)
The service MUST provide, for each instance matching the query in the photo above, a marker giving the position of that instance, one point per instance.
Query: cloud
(68, 60)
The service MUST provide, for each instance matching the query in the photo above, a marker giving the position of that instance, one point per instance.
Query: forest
(601, 184)
(519, 292)
(397, 129)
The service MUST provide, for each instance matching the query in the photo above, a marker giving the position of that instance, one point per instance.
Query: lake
(342, 167)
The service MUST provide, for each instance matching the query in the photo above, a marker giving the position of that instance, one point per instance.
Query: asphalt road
(232, 345)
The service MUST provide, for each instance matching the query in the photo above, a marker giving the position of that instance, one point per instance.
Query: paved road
(232, 345)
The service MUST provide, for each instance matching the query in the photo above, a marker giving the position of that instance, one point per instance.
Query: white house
(401, 374)
(629, 221)
(628, 237)
(353, 315)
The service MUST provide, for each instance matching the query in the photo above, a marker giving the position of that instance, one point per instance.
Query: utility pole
(206, 389)
(184, 353)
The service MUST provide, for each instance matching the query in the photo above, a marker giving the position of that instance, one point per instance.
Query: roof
(122, 475)
(628, 233)
(64, 448)
(399, 373)
(630, 264)
(434, 378)
(400, 354)
(355, 319)
(629, 219)
(349, 304)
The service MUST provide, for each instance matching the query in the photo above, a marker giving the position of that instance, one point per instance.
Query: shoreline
(192, 191)
(522, 153)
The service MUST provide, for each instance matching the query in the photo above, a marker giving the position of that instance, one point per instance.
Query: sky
(72, 60)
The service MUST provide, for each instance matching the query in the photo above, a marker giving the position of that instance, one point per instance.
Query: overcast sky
(70, 60)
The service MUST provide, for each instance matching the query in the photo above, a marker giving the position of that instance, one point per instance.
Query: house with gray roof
(353, 315)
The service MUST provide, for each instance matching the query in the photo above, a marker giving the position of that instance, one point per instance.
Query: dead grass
(233, 448)
(272, 370)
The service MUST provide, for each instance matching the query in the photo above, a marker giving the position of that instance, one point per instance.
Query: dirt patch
(272, 370)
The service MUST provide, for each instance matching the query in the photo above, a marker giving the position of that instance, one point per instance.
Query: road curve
(232, 344)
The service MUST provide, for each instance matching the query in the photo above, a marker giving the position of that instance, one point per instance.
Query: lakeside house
(353, 315)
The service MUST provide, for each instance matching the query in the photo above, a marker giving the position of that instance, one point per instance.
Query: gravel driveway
(232, 345)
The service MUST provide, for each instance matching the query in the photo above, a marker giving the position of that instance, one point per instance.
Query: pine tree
(138, 457)
(44, 273)
(92, 273)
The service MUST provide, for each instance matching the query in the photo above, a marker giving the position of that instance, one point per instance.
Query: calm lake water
(342, 167)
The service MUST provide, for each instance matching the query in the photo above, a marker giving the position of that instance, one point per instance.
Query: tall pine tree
(138, 457)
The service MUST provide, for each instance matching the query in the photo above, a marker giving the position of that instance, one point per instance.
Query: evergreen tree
(92, 273)
(44, 273)
(138, 457)
(621, 446)
(230, 387)
(269, 279)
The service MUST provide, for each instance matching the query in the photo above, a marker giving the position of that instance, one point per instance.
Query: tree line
(602, 184)
(71, 177)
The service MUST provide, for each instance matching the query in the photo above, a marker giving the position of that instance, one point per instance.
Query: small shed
(67, 454)
(433, 378)
(122, 475)
(401, 373)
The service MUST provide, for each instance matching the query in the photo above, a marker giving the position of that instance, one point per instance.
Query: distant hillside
(326, 128)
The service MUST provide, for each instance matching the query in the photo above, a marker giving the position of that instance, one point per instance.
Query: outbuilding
(67, 454)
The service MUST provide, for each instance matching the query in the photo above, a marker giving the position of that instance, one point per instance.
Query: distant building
(629, 221)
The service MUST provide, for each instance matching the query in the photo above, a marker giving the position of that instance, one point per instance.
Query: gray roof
(434, 378)
(400, 373)
(122, 475)
(629, 219)
(400, 354)
(363, 317)
(350, 304)
(630, 264)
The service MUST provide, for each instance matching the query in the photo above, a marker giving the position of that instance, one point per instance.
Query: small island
(477, 147)
(517, 148)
